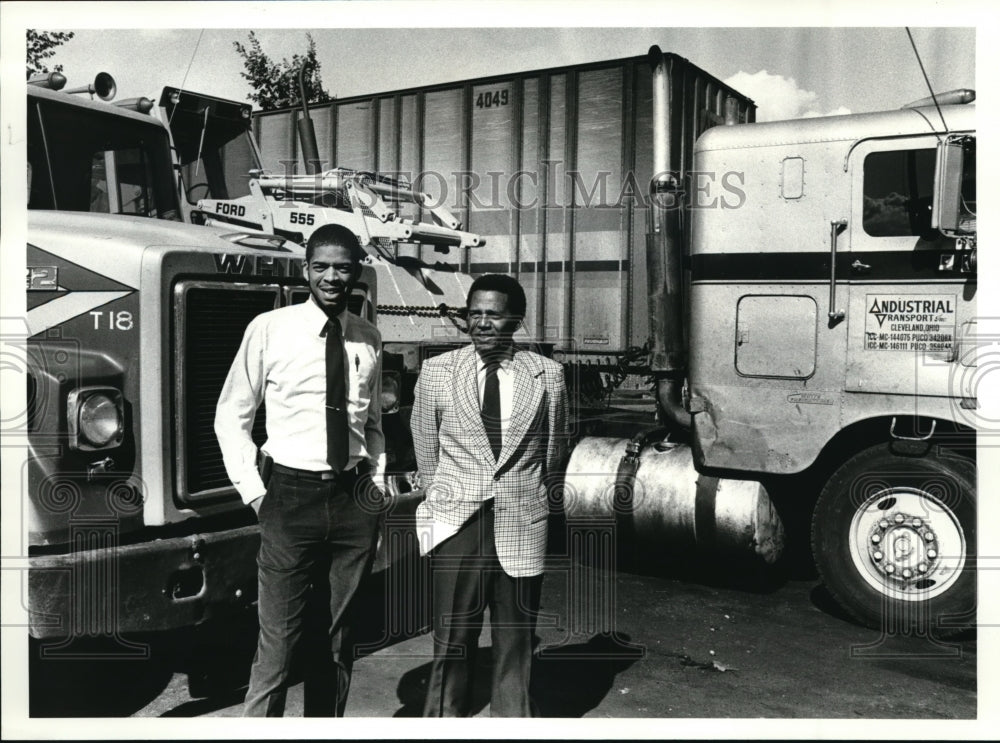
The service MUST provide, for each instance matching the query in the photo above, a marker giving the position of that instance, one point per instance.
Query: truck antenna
(184, 80)
(926, 79)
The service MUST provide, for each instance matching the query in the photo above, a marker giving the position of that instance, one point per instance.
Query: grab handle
(836, 227)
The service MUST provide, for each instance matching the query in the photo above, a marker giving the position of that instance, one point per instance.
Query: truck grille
(210, 318)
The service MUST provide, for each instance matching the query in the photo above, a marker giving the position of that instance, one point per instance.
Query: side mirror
(953, 212)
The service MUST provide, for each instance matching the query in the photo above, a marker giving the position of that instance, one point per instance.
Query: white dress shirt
(282, 362)
(506, 379)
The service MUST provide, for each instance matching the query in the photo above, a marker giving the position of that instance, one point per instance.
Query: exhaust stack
(307, 133)
(668, 357)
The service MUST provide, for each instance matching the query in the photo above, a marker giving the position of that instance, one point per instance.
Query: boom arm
(362, 201)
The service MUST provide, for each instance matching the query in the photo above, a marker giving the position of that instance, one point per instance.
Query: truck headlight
(390, 392)
(96, 417)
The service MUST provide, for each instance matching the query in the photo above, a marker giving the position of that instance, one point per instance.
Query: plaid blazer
(456, 463)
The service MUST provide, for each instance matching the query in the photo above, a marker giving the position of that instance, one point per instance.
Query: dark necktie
(491, 408)
(336, 398)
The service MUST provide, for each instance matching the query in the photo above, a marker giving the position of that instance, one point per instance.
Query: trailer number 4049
(492, 99)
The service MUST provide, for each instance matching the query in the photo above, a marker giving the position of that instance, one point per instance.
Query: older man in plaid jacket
(489, 426)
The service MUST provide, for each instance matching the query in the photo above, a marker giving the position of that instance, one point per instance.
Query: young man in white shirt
(317, 368)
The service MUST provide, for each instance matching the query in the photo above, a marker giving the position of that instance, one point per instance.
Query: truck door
(910, 296)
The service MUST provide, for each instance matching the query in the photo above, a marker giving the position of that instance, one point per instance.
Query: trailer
(550, 166)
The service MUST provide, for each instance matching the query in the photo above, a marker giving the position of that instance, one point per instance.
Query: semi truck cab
(133, 320)
(832, 332)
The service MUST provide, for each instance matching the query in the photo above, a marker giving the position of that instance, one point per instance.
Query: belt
(361, 468)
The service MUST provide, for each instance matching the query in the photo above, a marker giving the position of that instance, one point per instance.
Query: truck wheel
(894, 539)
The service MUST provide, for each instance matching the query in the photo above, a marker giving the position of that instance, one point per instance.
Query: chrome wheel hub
(903, 547)
(907, 544)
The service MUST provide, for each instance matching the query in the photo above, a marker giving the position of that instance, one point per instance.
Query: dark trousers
(467, 578)
(318, 540)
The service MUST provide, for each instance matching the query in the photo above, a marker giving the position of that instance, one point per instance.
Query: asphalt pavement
(611, 644)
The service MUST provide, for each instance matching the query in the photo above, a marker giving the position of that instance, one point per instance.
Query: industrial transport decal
(909, 322)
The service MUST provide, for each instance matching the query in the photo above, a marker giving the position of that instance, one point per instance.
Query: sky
(790, 72)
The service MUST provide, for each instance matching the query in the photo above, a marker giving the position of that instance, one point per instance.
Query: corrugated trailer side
(552, 166)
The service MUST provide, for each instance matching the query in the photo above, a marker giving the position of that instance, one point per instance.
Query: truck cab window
(130, 192)
(40, 194)
(898, 191)
(111, 164)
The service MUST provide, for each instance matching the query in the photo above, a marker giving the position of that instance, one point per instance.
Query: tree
(41, 46)
(276, 84)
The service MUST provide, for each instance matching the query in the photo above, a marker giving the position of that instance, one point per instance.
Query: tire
(894, 539)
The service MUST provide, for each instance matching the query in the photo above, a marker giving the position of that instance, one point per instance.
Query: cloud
(779, 97)
(838, 111)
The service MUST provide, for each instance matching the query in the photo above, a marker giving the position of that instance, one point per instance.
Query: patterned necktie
(491, 408)
(336, 398)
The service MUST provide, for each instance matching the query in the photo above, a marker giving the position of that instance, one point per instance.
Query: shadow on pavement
(822, 600)
(566, 680)
(217, 660)
(571, 680)
(926, 642)
(741, 572)
(199, 707)
(94, 677)
(102, 677)
(412, 687)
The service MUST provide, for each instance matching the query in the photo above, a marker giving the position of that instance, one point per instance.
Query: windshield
(222, 171)
(86, 160)
(212, 137)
